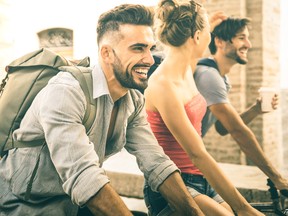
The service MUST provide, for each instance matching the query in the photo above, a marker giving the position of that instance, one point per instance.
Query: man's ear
(219, 43)
(106, 53)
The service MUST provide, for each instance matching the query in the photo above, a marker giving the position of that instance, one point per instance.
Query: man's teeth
(244, 51)
(142, 71)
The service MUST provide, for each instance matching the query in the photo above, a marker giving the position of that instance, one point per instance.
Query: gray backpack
(26, 76)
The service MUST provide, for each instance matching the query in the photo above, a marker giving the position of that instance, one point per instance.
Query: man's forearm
(107, 203)
(252, 149)
(247, 116)
(174, 191)
(251, 113)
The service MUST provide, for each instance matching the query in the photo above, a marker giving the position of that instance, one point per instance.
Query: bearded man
(229, 45)
(69, 170)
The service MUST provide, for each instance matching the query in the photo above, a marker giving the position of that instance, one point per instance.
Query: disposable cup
(266, 94)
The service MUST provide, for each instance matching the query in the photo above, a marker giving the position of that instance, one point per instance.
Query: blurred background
(69, 27)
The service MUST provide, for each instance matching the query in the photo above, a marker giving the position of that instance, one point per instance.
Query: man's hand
(281, 184)
(274, 103)
(107, 203)
(174, 191)
(216, 18)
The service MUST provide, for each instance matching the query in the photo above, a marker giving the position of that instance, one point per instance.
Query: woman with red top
(175, 110)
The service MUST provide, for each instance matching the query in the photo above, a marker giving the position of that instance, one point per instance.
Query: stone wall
(284, 108)
(264, 70)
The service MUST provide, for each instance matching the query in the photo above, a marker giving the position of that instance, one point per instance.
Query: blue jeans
(195, 184)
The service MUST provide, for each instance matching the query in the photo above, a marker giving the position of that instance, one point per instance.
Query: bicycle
(277, 206)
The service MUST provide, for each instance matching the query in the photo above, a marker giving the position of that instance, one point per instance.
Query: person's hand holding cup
(269, 99)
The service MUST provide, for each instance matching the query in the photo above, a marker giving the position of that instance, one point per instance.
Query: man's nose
(248, 44)
(148, 58)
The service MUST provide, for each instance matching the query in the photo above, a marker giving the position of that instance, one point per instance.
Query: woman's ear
(107, 54)
(197, 37)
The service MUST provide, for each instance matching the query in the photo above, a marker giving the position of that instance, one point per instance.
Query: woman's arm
(167, 101)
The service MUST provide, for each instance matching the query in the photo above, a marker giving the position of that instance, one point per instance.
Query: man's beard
(125, 78)
(241, 61)
(234, 55)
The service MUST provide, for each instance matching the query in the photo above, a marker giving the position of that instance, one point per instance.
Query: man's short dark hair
(134, 14)
(227, 30)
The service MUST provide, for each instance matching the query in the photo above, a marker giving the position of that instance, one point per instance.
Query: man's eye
(139, 48)
(153, 48)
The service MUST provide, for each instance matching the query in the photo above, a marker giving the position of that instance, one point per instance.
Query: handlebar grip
(272, 189)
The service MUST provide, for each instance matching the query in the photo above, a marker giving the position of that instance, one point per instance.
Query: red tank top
(195, 110)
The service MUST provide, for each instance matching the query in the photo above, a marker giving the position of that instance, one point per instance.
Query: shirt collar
(100, 86)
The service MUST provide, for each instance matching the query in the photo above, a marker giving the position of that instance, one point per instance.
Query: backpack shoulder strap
(41, 57)
(208, 62)
(84, 77)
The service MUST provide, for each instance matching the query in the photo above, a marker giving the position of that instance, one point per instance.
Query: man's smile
(141, 72)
